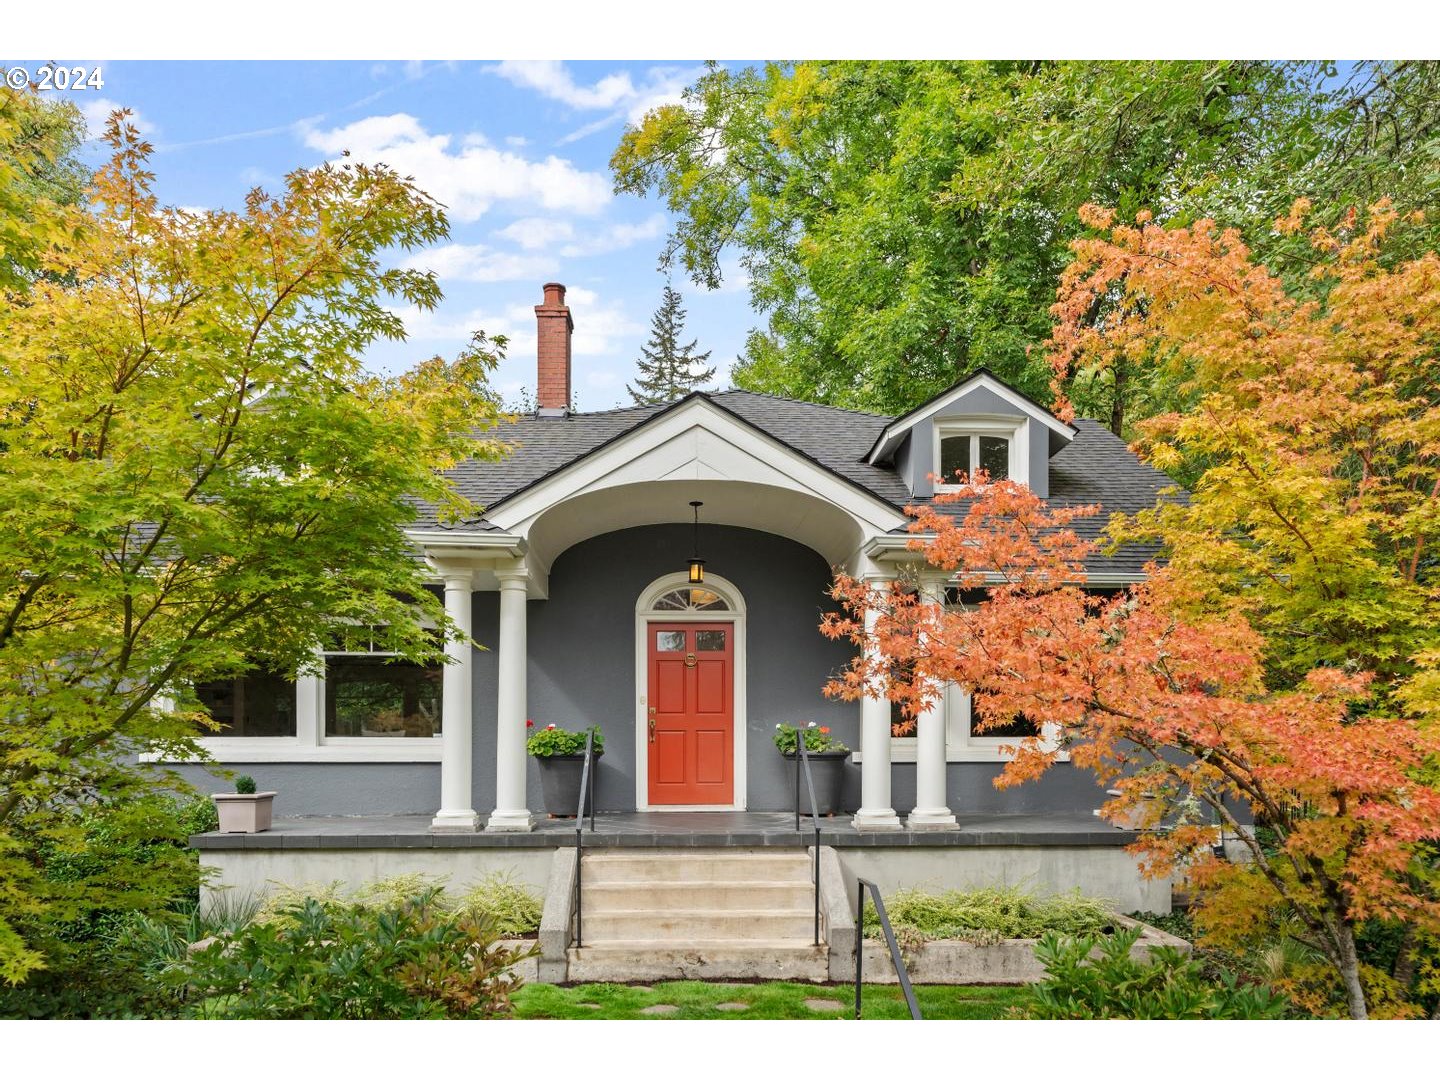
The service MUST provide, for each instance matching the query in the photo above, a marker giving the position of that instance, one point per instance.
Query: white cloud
(602, 327)
(256, 177)
(96, 112)
(468, 179)
(477, 262)
(516, 140)
(615, 93)
(536, 233)
(616, 237)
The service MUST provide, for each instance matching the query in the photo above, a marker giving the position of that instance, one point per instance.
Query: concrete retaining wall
(1108, 873)
(959, 963)
(254, 873)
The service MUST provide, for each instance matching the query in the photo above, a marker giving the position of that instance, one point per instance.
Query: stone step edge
(807, 887)
(665, 945)
(691, 855)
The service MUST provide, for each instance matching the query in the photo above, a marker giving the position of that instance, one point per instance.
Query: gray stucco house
(575, 587)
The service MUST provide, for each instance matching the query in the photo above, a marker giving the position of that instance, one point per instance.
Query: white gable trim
(891, 435)
(697, 440)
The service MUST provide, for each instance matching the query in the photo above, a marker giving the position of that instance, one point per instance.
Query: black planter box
(827, 769)
(560, 782)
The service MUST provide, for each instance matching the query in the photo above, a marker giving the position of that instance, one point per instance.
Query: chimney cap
(554, 294)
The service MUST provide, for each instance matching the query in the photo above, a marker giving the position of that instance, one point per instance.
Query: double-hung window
(967, 445)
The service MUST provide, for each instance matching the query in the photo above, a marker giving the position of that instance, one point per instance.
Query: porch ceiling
(806, 519)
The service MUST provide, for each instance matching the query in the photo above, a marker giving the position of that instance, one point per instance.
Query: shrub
(550, 740)
(351, 961)
(244, 785)
(1094, 977)
(985, 916)
(512, 908)
(113, 863)
(818, 739)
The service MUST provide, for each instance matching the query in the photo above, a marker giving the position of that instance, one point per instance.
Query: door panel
(691, 714)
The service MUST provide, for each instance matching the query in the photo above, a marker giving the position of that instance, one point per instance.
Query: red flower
(529, 723)
(824, 731)
(549, 727)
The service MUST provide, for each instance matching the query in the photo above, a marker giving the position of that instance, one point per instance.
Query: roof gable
(895, 431)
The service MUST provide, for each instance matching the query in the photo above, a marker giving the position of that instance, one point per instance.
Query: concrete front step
(698, 896)
(684, 927)
(648, 960)
(602, 867)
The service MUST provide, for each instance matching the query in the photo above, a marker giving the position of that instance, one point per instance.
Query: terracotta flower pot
(244, 813)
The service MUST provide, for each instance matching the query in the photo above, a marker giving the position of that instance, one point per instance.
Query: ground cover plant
(321, 959)
(762, 1001)
(985, 916)
(1095, 977)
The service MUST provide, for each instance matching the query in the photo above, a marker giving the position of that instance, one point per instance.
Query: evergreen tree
(668, 371)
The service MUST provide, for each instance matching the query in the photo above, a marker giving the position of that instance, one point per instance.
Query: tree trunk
(1350, 972)
(1117, 403)
(1404, 972)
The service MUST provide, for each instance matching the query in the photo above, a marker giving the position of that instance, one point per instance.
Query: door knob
(652, 723)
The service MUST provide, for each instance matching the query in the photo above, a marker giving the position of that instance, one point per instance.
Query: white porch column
(932, 811)
(876, 811)
(511, 813)
(456, 812)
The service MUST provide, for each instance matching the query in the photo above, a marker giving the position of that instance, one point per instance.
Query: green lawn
(765, 1001)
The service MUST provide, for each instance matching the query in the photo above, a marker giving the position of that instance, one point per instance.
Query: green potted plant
(244, 809)
(827, 762)
(561, 757)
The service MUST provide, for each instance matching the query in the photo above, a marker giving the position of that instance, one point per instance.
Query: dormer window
(967, 444)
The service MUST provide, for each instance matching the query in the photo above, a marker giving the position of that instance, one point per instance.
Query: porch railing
(585, 792)
(802, 765)
(895, 957)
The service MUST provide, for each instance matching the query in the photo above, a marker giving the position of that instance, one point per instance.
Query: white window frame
(310, 743)
(960, 744)
(1009, 428)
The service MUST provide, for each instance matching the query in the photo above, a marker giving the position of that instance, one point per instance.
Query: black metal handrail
(895, 957)
(802, 764)
(580, 826)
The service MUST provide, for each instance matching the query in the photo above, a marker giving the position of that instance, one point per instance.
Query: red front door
(691, 714)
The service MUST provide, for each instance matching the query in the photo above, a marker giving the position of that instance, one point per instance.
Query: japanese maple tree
(1282, 663)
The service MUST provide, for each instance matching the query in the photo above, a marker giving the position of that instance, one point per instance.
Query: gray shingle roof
(1096, 467)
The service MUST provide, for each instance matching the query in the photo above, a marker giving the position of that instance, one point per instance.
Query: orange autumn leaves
(1287, 656)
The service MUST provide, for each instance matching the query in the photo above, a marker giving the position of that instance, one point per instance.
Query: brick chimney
(553, 327)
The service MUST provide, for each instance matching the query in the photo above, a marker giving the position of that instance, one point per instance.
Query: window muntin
(690, 598)
(258, 704)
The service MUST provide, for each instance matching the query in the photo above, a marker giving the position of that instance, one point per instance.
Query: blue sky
(518, 152)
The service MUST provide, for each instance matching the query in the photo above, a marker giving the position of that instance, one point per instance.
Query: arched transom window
(690, 598)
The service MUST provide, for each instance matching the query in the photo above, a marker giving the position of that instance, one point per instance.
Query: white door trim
(646, 614)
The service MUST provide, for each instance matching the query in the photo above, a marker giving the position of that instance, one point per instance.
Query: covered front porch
(728, 828)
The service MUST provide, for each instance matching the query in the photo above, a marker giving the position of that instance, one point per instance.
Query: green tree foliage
(196, 473)
(668, 370)
(38, 174)
(902, 223)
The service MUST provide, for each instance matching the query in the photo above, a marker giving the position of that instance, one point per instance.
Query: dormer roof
(1061, 433)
